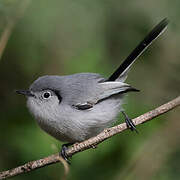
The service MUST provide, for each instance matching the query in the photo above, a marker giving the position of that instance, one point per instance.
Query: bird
(73, 108)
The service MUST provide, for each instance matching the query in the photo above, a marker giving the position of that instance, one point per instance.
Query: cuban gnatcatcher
(76, 107)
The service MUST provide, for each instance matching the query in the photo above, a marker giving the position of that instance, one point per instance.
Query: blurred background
(64, 37)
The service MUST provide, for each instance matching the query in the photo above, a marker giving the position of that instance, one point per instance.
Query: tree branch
(10, 24)
(107, 133)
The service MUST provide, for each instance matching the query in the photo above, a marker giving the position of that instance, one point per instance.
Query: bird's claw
(129, 122)
(64, 154)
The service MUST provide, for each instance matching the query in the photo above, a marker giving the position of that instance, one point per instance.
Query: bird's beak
(25, 92)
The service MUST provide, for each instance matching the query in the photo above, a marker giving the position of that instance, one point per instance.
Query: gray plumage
(76, 107)
(61, 117)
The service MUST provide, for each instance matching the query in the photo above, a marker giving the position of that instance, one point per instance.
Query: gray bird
(76, 107)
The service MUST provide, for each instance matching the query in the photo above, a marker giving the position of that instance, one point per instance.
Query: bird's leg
(63, 152)
(129, 122)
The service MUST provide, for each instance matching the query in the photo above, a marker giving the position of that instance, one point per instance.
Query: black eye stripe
(58, 95)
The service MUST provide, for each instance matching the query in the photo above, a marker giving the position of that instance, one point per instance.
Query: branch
(92, 142)
(10, 25)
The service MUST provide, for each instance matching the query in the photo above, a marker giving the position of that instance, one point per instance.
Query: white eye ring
(47, 95)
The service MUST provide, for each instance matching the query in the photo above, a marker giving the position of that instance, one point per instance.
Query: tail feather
(121, 72)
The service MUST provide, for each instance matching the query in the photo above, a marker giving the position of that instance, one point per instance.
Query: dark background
(66, 36)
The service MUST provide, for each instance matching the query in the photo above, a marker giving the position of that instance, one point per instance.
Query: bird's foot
(64, 154)
(129, 122)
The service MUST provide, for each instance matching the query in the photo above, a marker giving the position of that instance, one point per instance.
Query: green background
(66, 36)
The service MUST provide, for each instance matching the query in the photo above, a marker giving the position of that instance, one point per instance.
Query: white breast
(66, 123)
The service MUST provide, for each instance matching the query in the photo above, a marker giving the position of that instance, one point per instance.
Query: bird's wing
(114, 88)
(105, 90)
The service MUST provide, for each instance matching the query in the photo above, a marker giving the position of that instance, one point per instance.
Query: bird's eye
(46, 95)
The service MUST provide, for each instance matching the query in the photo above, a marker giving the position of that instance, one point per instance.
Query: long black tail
(156, 31)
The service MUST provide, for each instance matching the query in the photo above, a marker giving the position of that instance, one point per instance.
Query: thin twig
(66, 167)
(10, 25)
(107, 133)
(5, 36)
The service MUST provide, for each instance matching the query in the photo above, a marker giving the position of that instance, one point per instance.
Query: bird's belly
(79, 129)
(53, 129)
(79, 125)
